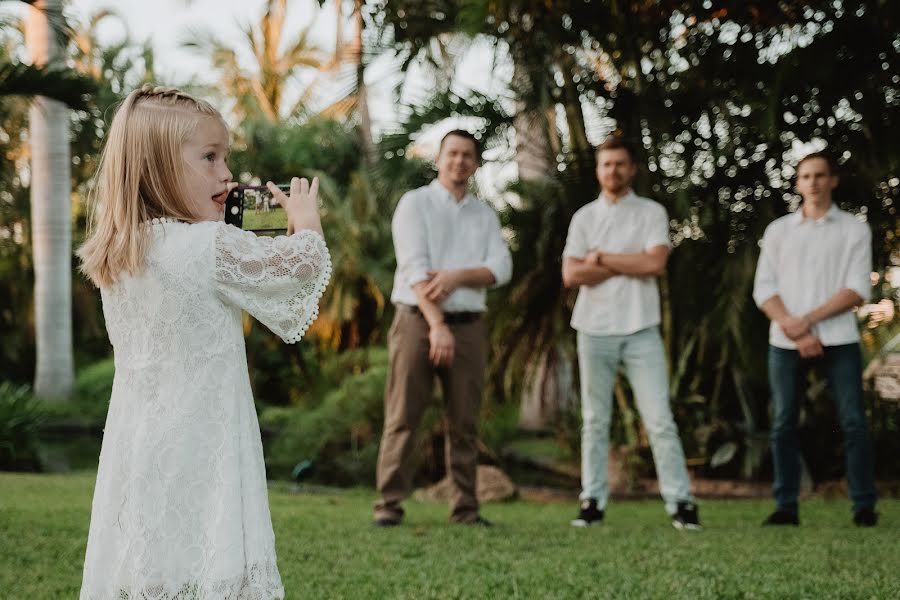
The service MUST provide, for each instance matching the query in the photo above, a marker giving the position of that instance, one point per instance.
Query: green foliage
(281, 374)
(93, 389)
(259, 92)
(716, 97)
(65, 85)
(276, 152)
(94, 383)
(90, 402)
(499, 425)
(20, 420)
(339, 435)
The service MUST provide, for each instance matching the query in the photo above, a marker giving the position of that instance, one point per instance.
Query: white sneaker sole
(583, 523)
(686, 526)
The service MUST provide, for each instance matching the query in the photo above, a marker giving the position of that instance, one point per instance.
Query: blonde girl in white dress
(180, 508)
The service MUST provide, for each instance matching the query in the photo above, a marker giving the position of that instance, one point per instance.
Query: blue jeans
(645, 365)
(842, 366)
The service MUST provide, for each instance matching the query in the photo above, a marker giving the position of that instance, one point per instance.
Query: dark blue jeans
(842, 365)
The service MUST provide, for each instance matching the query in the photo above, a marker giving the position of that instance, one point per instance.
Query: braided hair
(140, 177)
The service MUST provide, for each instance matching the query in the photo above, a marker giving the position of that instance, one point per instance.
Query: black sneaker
(782, 517)
(588, 515)
(865, 517)
(686, 517)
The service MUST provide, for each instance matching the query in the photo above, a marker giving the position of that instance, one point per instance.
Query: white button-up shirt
(622, 304)
(806, 261)
(432, 231)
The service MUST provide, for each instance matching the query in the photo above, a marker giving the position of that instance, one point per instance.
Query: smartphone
(253, 208)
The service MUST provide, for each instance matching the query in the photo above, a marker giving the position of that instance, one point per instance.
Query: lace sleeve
(277, 280)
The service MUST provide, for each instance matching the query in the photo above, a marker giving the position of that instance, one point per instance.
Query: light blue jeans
(644, 359)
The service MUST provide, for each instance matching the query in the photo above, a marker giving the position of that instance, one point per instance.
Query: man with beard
(616, 248)
(449, 249)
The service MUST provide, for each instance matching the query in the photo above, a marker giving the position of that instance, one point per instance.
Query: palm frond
(64, 85)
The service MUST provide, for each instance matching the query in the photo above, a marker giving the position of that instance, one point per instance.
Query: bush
(499, 425)
(90, 401)
(94, 383)
(340, 436)
(20, 420)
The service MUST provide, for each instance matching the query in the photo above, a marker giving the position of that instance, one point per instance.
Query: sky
(166, 24)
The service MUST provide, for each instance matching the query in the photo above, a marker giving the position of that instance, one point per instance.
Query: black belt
(450, 318)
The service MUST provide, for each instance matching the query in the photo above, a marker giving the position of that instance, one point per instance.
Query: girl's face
(206, 173)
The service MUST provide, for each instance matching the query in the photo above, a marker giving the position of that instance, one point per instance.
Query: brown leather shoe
(386, 522)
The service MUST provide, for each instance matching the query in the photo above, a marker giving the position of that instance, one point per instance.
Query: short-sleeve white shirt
(622, 304)
(806, 261)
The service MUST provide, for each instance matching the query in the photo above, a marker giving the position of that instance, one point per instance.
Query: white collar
(797, 216)
(445, 193)
(604, 200)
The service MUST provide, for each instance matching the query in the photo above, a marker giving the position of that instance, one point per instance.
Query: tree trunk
(365, 120)
(533, 152)
(51, 223)
(549, 389)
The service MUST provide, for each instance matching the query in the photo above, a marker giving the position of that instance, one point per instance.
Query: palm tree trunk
(50, 214)
(365, 120)
(532, 136)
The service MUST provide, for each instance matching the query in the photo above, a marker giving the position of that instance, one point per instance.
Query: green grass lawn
(328, 549)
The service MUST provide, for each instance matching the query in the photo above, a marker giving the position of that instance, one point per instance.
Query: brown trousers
(408, 392)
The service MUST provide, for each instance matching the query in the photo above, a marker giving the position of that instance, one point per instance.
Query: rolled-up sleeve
(859, 266)
(765, 283)
(497, 258)
(410, 243)
(658, 230)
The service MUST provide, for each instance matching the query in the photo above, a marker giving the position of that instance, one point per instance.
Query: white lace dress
(180, 508)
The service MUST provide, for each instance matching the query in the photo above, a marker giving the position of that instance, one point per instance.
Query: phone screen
(253, 208)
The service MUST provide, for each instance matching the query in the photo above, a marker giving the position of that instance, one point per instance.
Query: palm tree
(64, 86)
(88, 54)
(17, 79)
(261, 93)
(50, 213)
(365, 121)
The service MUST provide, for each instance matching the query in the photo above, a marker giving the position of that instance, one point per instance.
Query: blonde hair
(140, 177)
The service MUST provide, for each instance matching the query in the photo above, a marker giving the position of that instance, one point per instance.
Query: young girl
(180, 506)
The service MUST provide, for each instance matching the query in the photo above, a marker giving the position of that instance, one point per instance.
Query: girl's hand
(302, 206)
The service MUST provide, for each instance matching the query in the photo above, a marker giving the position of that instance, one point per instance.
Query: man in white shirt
(449, 250)
(813, 268)
(616, 248)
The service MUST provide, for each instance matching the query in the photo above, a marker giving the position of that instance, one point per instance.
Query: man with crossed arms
(616, 248)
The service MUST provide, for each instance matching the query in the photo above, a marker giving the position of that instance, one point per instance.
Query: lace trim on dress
(259, 582)
(161, 220)
(317, 292)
